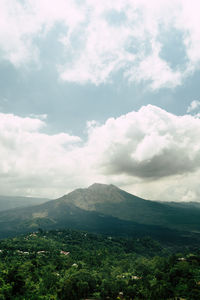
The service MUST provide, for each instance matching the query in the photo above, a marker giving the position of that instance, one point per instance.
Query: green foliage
(92, 266)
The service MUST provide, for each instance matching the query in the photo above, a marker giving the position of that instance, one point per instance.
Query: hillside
(52, 216)
(109, 210)
(10, 202)
(110, 200)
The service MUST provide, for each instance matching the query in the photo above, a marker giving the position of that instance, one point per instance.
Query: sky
(100, 91)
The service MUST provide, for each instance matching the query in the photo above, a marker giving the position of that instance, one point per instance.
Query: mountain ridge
(111, 200)
(12, 202)
(104, 209)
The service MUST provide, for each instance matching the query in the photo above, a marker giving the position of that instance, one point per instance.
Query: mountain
(111, 200)
(56, 214)
(184, 204)
(9, 202)
(105, 209)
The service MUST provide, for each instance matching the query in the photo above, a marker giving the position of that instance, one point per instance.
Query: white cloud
(32, 161)
(148, 144)
(194, 105)
(40, 117)
(21, 22)
(17, 29)
(110, 47)
(102, 38)
(151, 153)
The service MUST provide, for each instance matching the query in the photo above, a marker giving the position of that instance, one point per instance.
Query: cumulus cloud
(150, 152)
(22, 22)
(32, 161)
(102, 38)
(149, 144)
(194, 105)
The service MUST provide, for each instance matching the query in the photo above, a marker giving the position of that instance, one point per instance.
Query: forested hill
(73, 265)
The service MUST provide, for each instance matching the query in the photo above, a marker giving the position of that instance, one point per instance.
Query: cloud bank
(100, 38)
(150, 152)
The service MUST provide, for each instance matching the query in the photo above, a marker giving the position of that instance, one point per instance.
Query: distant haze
(7, 202)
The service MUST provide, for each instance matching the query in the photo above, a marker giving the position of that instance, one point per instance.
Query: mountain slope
(53, 216)
(110, 200)
(104, 209)
(9, 202)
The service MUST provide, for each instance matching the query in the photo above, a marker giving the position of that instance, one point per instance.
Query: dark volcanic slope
(113, 201)
(63, 215)
(104, 209)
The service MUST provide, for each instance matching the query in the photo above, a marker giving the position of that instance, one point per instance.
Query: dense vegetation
(72, 265)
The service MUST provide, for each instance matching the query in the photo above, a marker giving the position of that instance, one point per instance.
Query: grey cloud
(166, 164)
(149, 144)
